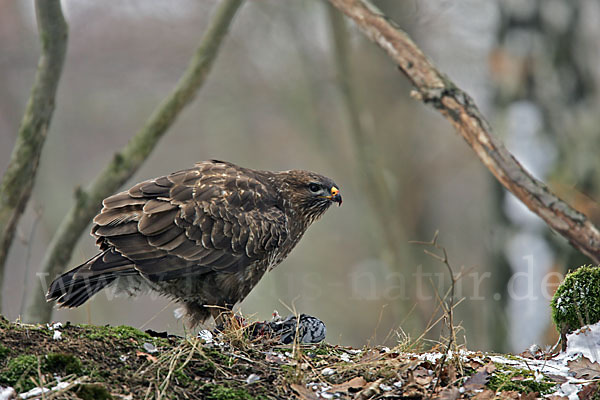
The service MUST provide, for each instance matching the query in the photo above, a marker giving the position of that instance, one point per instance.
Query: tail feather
(75, 287)
(70, 292)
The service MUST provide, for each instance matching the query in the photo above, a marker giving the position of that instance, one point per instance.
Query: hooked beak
(335, 196)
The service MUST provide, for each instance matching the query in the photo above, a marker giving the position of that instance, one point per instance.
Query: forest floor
(91, 362)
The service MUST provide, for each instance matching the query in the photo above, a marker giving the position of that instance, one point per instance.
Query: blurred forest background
(273, 101)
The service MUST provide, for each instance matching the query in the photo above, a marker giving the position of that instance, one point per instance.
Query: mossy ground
(115, 363)
(519, 380)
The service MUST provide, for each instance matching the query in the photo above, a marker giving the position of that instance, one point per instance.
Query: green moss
(218, 392)
(92, 392)
(214, 354)
(577, 300)
(319, 350)
(101, 374)
(117, 332)
(3, 351)
(292, 374)
(182, 378)
(17, 372)
(61, 362)
(502, 380)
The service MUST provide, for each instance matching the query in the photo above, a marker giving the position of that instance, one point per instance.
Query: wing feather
(120, 200)
(152, 224)
(168, 239)
(215, 216)
(157, 206)
(116, 229)
(181, 193)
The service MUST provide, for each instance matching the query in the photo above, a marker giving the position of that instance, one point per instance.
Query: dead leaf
(530, 396)
(588, 392)
(352, 386)
(584, 368)
(448, 394)
(477, 381)
(526, 354)
(303, 392)
(370, 356)
(422, 376)
(450, 372)
(371, 390)
(485, 395)
(509, 395)
(489, 367)
(556, 378)
(410, 388)
(473, 364)
(147, 356)
(413, 390)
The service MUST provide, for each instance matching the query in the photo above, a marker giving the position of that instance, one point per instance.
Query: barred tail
(75, 287)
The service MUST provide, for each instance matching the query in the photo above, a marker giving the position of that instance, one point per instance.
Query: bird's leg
(221, 317)
(225, 318)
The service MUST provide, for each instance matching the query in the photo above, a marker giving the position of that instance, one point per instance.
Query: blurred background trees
(278, 98)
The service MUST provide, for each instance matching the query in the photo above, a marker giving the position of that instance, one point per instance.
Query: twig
(19, 178)
(296, 353)
(131, 157)
(433, 324)
(448, 307)
(435, 88)
(42, 382)
(374, 335)
(172, 365)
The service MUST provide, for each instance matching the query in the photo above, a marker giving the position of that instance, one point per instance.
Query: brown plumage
(203, 236)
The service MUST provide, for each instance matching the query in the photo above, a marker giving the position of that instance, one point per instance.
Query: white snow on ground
(584, 342)
(37, 392)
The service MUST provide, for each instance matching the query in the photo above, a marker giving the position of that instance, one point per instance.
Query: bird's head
(309, 194)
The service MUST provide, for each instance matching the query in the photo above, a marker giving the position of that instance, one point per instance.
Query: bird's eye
(313, 187)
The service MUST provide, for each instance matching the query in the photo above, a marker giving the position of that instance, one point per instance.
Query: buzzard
(203, 236)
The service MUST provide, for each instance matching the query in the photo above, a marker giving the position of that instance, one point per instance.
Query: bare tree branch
(436, 89)
(19, 178)
(127, 161)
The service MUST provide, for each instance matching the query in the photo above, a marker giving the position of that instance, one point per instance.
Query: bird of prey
(203, 236)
